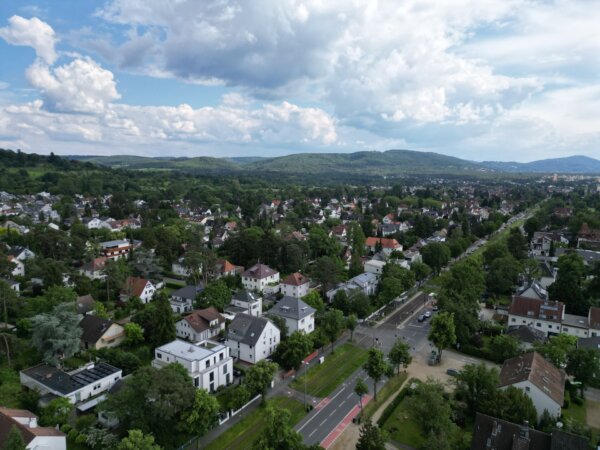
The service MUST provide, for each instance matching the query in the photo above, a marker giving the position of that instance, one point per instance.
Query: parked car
(421, 318)
(452, 372)
(427, 314)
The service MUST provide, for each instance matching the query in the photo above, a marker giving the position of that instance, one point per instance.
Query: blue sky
(493, 80)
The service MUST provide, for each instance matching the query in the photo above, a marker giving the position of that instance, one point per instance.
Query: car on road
(452, 372)
(421, 318)
(427, 314)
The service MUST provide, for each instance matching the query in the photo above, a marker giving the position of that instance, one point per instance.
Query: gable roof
(246, 296)
(10, 418)
(246, 329)
(534, 309)
(292, 308)
(490, 433)
(200, 319)
(534, 368)
(259, 271)
(187, 292)
(94, 328)
(134, 286)
(385, 242)
(528, 334)
(223, 266)
(594, 317)
(95, 264)
(295, 279)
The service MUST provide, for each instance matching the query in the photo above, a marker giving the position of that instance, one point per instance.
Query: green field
(384, 392)
(242, 434)
(323, 379)
(402, 428)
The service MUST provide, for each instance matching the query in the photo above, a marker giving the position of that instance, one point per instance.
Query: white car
(427, 314)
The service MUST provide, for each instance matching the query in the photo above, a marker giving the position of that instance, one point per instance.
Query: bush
(477, 340)
(73, 435)
(66, 428)
(476, 352)
(80, 439)
(577, 400)
(566, 404)
(389, 410)
(85, 422)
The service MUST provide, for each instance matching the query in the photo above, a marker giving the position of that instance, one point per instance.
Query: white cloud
(33, 33)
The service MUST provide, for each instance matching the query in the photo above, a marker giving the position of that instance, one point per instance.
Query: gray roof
(259, 271)
(246, 296)
(292, 308)
(589, 343)
(65, 383)
(588, 256)
(246, 329)
(528, 334)
(186, 292)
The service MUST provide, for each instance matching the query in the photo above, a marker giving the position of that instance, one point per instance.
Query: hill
(569, 164)
(200, 163)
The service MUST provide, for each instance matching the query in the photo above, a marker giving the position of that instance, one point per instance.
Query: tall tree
(568, 285)
(371, 437)
(327, 270)
(361, 389)
(57, 334)
(583, 365)
(517, 244)
(259, 377)
(511, 404)
(203, 415)
(136, 440)
(442, 332)
(436, 255)
(332, 324)
(399, 355)
(163, 324)
(430, 407)
(376, 368)
(278, 432)
(291, 352)
(14, 440)
(557, 349)
(477, 384)
(216, 294)
(351, 324)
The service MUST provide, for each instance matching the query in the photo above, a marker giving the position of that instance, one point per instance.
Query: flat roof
(189, 351)
(66, 383)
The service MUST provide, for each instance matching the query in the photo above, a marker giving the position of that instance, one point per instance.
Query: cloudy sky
(483, 80)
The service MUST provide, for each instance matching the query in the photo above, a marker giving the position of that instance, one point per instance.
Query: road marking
(339, 429)
(321, 424)
(320, 409)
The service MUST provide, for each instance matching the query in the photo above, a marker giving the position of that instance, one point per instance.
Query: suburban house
(100, 333)
(298, 315)
(365, 283)
(588, 238)
(374, 266)
(200, 325)
(76, 386)
(34, 436)
(538, 378)
(18, 268)
(207, 363)
(386, 245)
(178, 268)
(20, 253)
(137, 287)
(542, 242)
(527, 335)
(182, 300)
(533, 290)
(224, 268)
(295, 285)
(252, 339)
(94, 269)
(244, 302)
(116, 249)
(257, 277)
(490, 433)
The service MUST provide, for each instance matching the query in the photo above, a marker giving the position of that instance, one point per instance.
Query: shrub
(577, 400)
(73, 434)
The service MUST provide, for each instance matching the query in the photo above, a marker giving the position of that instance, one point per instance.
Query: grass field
(324, 378)
(402, 428)
(384, 392)
(243, 434)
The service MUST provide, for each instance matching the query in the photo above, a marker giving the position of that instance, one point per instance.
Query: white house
(200, 325)
(18, 268)
(298, 315)
(94, 269)
(374, 266)
(388, 245)
(34, 436)
(208, 363)
(182, 300)
(295, 285)
(538, 378)
(257, 277)
(542, 315)
(252, 339)
(116, 249)
(21, 253)
(76, 386)
(137, 287)
(365, 282)
(246, 302)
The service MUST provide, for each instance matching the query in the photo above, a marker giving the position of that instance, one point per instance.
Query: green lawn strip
(242, 434)
(323, 379)
(402, 428)
(389, 389)
(575, 411)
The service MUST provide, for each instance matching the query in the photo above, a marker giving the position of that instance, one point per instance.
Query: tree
(430, 407)
(115, 274)
(332, 324)
(476, 385)
(399, 355)
(314, 299)
(341, 301)
(145, 264)
(163, 326)
(136, 440)
(57, 335)
(503, 275)
(100, 438)
(436, 256)
(530, 226)
(376, 368)
(134, 334)
(389, 289)
(503, 347)
(217, 294)
(511, 404)
(583, 365)
(292, 351)
(203, 415)
(281, 324)
(327, 270)
(517, 244)
(278, 432)
(568, 285)
(420, 270)
(14, 440)
(361, 389)
(442, 332)
(259, 377)
(57, 412)
(495, 250)
(371, 437)
(351, 324)
(530, 269)
(558, 349)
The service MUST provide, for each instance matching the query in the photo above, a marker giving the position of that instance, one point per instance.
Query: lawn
(242, 434)
(323, 379)
(384, 392)
(402, 428)
(575, 411)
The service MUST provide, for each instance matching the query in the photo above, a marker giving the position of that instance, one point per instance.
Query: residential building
(252, 339)
(208, 363)
(259, 276)
(94, 269)
(542, 315)
(365, 283)
(295, 285)
(200, 325)
(116, 249)
(18, 268)
(20, 253)
(100, 333)
(224, 268)
(542, 242)
(34, 436)
(245, 302)
(298, 315)
(76, 386)
(538, 378)
(374, 266)
(137, 287)
(527, 335)
(182, 300)
(387, 245)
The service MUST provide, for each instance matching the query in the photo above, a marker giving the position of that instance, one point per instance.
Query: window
(565, 329)
(207, 364)
(221, 355)
(159, 356)
(513, 320)
(211, 377)
(527, 389)
(225, 368)
(538, 324)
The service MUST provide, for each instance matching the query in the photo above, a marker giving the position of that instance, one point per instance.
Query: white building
(182, 300)
(374, 266)
(252, 339)
(207, 363)
(298, 315)
(365, 283)
(76, 386)
(137, 287)
(538, 378)
(257, 277)
(246, 302)
(200, 325)
(34, 436)
(116, 249)
(18, 268)
(295, 285)
(94, 269)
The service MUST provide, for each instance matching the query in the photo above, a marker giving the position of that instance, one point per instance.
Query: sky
(504, 80)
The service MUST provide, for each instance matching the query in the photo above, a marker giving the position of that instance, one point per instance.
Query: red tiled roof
(594, 317)
(534, 309)
(200, 319)
(385, 242)
(134, 286)
(295, 279)
(8, 420)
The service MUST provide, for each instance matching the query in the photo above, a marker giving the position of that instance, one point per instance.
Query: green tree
(351, 324)
(134, 334)
(420, 270)
(389, 289)
(282, 325)
(517, 244)
(136, 440)
(568, 286)
(57, 412)
(332, 324)
(476, 384)
(371, 437)
(495, 250)
(327, 271)
(436, 255)
(278, 432)
(314, 299)
(557, 349)
(511, 404)
(399, 355)
(163, 324)
(376, 368)
(503, 275)
(442, 332)
(14, 440)
(292, 351)
(216, 294)
(115, 274)
(203, 415)
(530, 269)
(583, 365)
(57, 334)
(503, 347)
(361, 389)
(430, 407)
(259, 376)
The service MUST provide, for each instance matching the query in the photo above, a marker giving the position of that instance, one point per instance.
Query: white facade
(259, 284)
(252, 304)
(540, 399)
(295, 291)
(547, 326)
(374, 266)
(18, 268)
(207, 363)
(255, 348)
